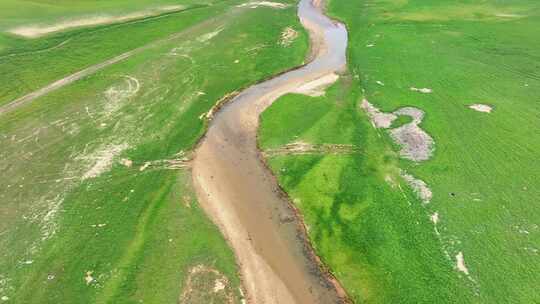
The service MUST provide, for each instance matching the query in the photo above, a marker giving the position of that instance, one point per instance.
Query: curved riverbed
(242, 196)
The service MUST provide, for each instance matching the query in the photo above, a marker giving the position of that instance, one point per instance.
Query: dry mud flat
(39, 30)
(416, 144)
(242, 196)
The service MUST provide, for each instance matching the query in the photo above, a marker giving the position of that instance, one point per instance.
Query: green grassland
(17, 13)
(363, 219)
(376, 239)
(96, 206)
(67, 52)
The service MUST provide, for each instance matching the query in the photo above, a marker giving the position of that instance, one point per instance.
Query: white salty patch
(181, 51)
(288, 35)
(116, 95)
(460, 263)
(48, 224)
(415, 143)
(419, 187)
(318, 86)
(300, 147)
(255, 4)
(5, 287)
(219, 285)
(89, 279)
(126, 162)
(209, 36)
(379, 119)
(390, 180)
(242, 300)
(434, 218)
(422, 90)
(143, 167)
(38, 30)
(102, 159)
(523, 231)
(481, 108)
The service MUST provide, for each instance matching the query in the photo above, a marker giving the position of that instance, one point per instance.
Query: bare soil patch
(180, 160)
(88, 278)
(38, 30)
(101, 160)
(219, 104)
(208, 36)
(422, 90)
(116, 95)
(434, 218)
(318, 86)
(288, 35)
(419, 187)
(206, 285)
(255, 4)
(481, 107)
(378, 118)
(415, 143)
(460, 263)
(300, 148)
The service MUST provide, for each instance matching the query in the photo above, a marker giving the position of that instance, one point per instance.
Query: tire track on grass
(28, 98)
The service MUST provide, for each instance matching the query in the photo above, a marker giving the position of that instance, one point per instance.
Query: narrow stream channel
(242, 196)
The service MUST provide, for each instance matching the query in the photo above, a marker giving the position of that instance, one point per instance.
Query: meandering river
(242, 196)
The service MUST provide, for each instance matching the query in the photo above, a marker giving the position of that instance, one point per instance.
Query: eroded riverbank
(242, 196)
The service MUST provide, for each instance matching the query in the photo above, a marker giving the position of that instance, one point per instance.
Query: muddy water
(241, 195)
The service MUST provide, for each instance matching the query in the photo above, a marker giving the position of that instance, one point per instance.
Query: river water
(242, 196)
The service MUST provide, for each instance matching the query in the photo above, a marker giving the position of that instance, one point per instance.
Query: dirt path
(65, 81)
(210, 23)
(303, 148)
(242, 196)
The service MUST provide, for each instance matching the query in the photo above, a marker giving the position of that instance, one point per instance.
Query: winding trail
(66, 81)
(60, 83)
(242, 196)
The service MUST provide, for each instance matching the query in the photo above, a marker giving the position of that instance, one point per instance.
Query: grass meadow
(96, 202)
(366, 223)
